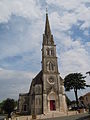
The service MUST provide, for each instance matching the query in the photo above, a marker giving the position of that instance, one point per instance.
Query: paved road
(76, 117)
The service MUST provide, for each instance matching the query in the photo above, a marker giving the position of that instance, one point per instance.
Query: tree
(88, 73)
(1, 106)
(75, 81)
(8, 106)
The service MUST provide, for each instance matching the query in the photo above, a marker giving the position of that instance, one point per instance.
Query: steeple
(47, 26)
(47, 37)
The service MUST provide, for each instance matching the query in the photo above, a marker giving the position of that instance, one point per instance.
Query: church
(46, 93)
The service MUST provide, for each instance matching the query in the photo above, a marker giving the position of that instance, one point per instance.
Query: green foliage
(8, 106)
(1, 106)
(74, 81)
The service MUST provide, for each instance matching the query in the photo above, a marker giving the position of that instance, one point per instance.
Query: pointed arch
(52, 96)
(51, 66)
(52, 52)
(47, 51)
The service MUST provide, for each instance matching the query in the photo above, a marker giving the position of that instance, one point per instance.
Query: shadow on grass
(84, 118)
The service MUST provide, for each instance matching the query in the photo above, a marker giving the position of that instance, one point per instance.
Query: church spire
(47, 36)
(47, 26)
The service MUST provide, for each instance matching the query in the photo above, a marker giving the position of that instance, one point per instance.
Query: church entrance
(52, 105)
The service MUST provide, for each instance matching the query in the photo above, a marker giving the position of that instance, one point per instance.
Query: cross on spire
(46, 11)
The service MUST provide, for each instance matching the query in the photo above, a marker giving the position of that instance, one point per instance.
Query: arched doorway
(52, 101)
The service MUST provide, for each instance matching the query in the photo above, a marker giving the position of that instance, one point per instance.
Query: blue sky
(22, 26)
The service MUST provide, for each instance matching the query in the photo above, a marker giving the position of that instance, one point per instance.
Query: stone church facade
(46, 92)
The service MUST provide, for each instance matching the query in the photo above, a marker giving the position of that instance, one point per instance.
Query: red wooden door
(52, 105)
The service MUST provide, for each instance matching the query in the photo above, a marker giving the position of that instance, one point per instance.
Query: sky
(22, 24)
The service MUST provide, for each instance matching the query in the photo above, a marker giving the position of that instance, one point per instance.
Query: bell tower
(53, 90)
(49, 59)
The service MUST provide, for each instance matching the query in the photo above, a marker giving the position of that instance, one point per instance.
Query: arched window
(47, 51)
(51, 66)
(52, 52)
(25, 107)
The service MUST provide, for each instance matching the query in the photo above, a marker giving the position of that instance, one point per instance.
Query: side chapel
(46, 92)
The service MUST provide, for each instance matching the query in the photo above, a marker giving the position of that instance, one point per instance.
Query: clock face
(51, 80)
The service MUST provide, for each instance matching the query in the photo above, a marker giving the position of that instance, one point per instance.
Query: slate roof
(37, 79)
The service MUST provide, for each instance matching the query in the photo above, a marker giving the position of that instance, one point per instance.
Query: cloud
(75, 60)
(68, 5)
(14, 82)
(88, 44)
(72, 11)
(24, 39)
(86, 32)
(64, 22)
(27, 9)
(9, 74)
(74, 57)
